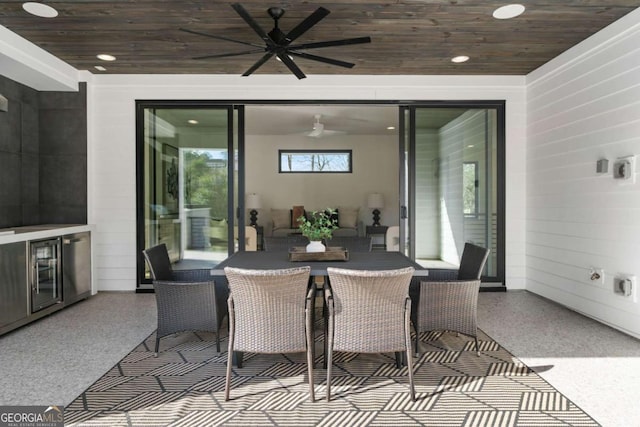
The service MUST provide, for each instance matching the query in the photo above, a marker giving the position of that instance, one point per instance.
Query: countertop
(41, 231)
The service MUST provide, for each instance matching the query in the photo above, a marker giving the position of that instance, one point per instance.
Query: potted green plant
(317, 226)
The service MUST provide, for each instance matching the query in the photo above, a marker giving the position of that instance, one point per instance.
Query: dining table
(374, 260)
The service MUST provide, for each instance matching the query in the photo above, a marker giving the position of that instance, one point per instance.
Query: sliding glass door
(187, 176)
(454, 190)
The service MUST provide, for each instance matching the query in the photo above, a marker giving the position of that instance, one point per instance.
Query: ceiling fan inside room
(279, 44)
(319, 131)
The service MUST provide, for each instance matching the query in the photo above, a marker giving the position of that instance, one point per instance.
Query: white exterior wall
(112, 143)
(583, 106)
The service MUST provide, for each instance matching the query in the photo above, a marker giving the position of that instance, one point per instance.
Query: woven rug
(184, 386)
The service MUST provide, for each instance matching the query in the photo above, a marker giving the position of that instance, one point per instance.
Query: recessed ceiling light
(106, 57)
(192, 121)
(39, 9)
(470, 146)
(459, 59)
(391, 127)
(509, 11)
(100, 68)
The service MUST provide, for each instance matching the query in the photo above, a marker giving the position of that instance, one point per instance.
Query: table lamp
(253, 203)
(375, 202)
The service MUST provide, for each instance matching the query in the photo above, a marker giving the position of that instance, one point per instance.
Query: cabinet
(76, 267)
(42, 270)
(14, 301)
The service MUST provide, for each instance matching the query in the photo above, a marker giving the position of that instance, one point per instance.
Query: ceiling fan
(278, 44)
(318, 130)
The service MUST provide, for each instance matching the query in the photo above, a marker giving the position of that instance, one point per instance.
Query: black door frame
(495, 283)
(143, 284)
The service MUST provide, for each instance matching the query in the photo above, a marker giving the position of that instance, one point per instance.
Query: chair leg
(157, 345)
(230, 345)
(398, 360)
(326, 334)
(410, 369)
(477, 347)
(310, 356)
(218, 340)
(227, 383)
(407, 343)
(328, 357)
(417, 341)
(238, 356)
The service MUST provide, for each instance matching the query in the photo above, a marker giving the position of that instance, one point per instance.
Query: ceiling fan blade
(291, 65)
(258, 64)
(186, 30)
(252, 23)
(224, 55)
(323, 59)
(342, 42)
(305, 25)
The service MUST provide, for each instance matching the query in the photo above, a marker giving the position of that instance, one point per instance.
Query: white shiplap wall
(583, 106)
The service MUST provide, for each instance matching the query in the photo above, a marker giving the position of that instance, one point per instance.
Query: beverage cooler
(46, 275)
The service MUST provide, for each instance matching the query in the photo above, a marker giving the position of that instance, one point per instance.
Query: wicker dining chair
(186, 300)
(351, 243)
(368, 312)
(448, 300)
(270, 311)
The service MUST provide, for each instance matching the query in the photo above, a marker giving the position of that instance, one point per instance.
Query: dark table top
(376, 260)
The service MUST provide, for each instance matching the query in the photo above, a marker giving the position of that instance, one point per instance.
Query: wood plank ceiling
(408, 36)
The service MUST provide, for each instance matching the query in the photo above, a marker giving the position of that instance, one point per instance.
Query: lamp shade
(253, 201)
(375, 201)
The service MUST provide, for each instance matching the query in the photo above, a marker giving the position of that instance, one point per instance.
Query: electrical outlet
(625, 285)
(624, 170)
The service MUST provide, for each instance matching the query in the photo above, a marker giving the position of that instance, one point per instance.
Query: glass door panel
(185, 183)
(453, 185)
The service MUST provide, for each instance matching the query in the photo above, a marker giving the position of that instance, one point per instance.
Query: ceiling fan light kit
(279, 44)
(319, 131)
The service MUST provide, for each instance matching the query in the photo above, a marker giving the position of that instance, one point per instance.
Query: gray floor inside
(53, 360)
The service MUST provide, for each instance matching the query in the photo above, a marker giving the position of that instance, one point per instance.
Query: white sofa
(281, 225)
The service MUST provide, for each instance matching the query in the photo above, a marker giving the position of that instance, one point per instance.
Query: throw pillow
(296, 213)
(334, 216)
(348, 217)
(281, 218)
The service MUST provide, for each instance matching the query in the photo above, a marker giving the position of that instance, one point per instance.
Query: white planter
(316, 246)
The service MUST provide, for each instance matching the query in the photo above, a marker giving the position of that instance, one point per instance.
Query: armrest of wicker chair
(204, 275)
(450, 305)
(186, 306)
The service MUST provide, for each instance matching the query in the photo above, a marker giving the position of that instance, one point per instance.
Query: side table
(259, 236)
(377, 230)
